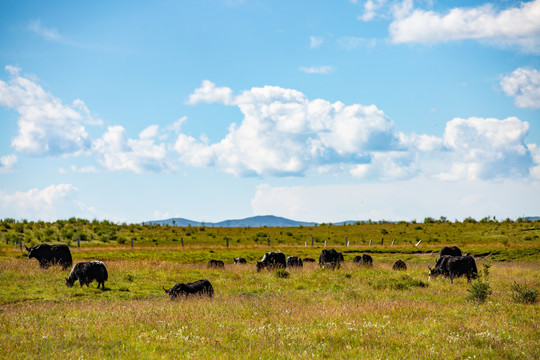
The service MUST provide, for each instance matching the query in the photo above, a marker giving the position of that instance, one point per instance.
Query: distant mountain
(255, 221)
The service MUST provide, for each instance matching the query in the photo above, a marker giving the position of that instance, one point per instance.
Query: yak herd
(451, 263)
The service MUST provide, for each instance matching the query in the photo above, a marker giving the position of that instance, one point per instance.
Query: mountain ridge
(253, 221)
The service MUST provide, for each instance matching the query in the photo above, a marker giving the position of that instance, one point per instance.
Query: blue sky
(313, 110)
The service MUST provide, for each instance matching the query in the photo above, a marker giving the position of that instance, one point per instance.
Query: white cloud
(370, 9)
(138, 155)
(47, 33)
(209, 93)
(524, 86)
(327, 69)
(47, 127)
(36, 203)
(7, 163)
(399, 200)
(518, 26)
(49, 204)
(284, 133)
(487, 148)
(315, 42)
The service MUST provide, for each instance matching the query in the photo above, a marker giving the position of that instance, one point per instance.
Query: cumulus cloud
(285, 133)
(524, 86)
(517, 26)
(138, 155)
(209, 93)
(47, 127)
(7, 163)
(327, 69)
(487, 148)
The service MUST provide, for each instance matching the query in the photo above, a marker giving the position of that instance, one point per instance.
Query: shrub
(479, 291)
(523, 294)
(282, 273)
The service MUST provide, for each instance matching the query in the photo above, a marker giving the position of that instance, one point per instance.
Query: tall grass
(312, 313)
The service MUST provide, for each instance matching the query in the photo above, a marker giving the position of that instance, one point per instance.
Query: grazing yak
(330, 258)
(86, 272)
(218, 264)
(399, 265)
(309, 260)
(455, 266)
(365, 260)
(451, 250)
(294, 261)
(240, 260)
(51, 254)
(272, 260)
(201, 287)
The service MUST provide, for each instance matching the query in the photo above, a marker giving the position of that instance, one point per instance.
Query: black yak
(330, 258)
(399, 265)
(451, 250)
(294, 261)
(365, 260)
(86, 272)
(51, 254)
(272, 260)
(455, 266)
(218, 264)
(201, 287)
(240, 260)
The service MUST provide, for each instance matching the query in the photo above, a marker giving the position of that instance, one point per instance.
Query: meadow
(354, 312)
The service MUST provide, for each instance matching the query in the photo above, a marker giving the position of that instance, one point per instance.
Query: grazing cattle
(365, 260)
(293, 261)
(86, 272)
(218, 264)
(452, 251)
(51, 254)
(272, 260)
(399, 265)
(309, 260)
(201, 287)
(455, 266)
(240, 260)
(330, 258)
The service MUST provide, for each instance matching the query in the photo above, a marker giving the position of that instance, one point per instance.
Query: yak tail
(164, 288)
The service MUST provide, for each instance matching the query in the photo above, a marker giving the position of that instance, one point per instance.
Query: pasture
(353, 312)
(348, 313)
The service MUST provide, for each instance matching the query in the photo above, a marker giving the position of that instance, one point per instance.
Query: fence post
(418, 243)
(324, 243)
(78, 243)
(393, 241)
(346, 241)
(227, 239)
(132, 242)
(268, 238)
(305, 243)
(382, 241)
(20, 242)
(311, 240)
(370, 241)
(182, 240)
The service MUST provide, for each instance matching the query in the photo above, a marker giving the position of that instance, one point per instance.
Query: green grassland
(354, 312)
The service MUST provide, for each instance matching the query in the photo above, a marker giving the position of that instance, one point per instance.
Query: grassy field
(351, 313)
